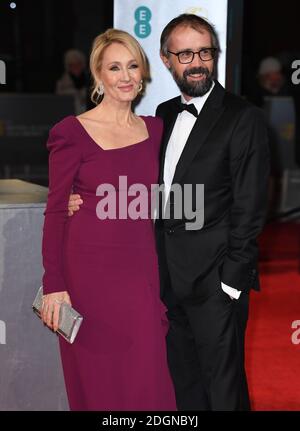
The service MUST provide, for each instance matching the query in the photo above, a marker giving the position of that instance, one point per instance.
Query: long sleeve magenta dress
(109, 268)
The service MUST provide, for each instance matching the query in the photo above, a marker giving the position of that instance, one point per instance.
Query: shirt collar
(198, 101)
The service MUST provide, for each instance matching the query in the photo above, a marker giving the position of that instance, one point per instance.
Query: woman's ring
(57, 301)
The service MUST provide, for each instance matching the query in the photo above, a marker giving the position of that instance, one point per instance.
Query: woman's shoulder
(63, 126)
(155, 128)
(63, 134)
(155, 123)
(152, 118)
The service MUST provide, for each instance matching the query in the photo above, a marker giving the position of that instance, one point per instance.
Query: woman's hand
(51, 306)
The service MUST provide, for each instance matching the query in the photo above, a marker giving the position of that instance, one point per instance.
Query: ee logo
(142, 27)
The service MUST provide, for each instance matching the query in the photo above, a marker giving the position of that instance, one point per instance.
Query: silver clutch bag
(69, 319)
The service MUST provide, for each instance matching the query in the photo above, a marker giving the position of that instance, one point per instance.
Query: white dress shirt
(182, 128)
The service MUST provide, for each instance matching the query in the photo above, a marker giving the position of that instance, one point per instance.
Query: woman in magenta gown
(107, 268)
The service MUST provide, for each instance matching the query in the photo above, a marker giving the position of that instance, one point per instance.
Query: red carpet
(272, 360)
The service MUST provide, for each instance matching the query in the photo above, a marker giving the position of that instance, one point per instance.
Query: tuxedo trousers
(205, 348)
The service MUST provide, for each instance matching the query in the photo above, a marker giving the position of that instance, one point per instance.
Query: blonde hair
(104, 40)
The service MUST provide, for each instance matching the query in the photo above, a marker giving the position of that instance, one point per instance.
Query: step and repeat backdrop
(145, 20)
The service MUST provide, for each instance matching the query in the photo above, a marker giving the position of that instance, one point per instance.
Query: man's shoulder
(239, 105)
(240, 111)
(164, 107)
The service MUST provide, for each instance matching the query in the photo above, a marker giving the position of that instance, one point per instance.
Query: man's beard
(194, 88)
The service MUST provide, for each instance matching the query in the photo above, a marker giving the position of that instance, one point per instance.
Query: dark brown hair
(189, 20)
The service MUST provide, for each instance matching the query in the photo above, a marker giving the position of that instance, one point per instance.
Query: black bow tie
(184, 107)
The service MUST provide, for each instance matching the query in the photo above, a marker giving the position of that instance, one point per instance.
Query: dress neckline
(112, 149)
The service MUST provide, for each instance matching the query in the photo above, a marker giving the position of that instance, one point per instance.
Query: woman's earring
(100, 90)
(140, 86)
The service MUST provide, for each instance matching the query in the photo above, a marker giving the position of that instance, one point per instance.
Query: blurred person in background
(270, 81)
(271, 77)
(274, 81)
(74, 80)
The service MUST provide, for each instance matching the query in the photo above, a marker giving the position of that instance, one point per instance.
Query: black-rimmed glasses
(187, 56)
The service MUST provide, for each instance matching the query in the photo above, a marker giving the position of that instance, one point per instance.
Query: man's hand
(74, 204)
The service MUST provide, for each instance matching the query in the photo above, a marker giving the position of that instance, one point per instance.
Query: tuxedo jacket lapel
(208, 117)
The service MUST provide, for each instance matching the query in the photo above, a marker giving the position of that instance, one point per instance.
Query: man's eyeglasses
(187, 56)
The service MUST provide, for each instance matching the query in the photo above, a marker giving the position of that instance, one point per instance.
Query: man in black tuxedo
(217, 139)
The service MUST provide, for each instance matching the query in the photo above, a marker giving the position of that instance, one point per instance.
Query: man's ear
(165, 60)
